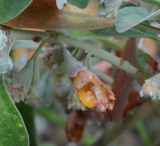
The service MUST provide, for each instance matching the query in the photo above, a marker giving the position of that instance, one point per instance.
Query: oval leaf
(9, 9)
(129, 17)
(12, 128)
(42, 14)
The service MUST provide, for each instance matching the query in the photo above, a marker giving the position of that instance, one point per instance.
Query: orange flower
(92, 92)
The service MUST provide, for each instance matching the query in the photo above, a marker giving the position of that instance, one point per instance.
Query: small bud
(3, 40)
(72, 65)
(6, 63)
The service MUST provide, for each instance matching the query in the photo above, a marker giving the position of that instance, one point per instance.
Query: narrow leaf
(134, 32)
(12, 128)
(42, 14)
(154, 2)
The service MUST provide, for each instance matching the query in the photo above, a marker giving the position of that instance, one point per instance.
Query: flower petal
(87, 97)
(82, 78)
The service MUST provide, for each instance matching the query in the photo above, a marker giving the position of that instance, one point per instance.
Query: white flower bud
(6, 63)
(3, 40)
(151, 88)
(60, 3)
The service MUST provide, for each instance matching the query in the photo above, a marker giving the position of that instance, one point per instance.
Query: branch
(88, 47)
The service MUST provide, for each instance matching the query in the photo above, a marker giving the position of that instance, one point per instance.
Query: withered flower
(91, 91)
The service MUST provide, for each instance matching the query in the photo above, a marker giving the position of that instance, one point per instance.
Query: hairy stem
(38, 50)
(88, 47)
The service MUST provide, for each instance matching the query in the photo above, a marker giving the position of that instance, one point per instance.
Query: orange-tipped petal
(104, 95)
(87, 97)
(82, 78)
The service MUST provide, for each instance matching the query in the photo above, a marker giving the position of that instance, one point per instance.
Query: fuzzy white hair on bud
(6, 63)
(3, 40)
(72, 65)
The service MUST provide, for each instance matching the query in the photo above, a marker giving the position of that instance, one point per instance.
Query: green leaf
(79, 3)
(9, 9)
(12, 128)
(80, 33)
(129, 17)
(154, 16)
(143, 133)
(154, 2)
(134, 32)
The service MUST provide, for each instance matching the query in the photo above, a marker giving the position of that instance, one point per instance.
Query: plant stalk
(88, 47)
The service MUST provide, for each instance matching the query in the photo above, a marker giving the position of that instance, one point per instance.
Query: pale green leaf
(134, 32)
(9, 9)
(131, 16)
(12, 128)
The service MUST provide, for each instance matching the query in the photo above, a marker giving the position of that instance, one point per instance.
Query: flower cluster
(151, 88)
(109, 8)
(90, 90)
